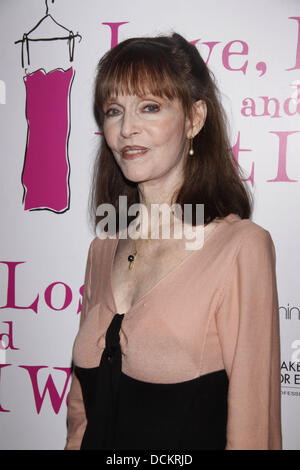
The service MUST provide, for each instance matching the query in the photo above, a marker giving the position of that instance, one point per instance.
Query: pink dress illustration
(46, 170)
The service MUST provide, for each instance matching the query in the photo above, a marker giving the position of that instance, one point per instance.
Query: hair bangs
(139, 78)
(138, 71)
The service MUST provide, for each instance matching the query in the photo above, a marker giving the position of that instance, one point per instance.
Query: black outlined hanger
(70, 37)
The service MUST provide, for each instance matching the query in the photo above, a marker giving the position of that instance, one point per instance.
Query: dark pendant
(131, 261)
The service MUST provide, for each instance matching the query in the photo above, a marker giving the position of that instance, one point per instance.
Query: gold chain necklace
(132, 256)
(131, 259)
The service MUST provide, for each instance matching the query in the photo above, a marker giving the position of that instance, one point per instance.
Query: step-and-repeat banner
(49, 140)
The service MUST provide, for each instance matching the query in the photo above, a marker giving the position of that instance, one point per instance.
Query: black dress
(126, 413)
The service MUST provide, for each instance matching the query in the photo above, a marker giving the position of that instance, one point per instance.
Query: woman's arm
(248, 326)
(76, 418)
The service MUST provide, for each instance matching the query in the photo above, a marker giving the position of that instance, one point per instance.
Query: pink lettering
(56, 399)
(236, 149)
(227, 52)
(68, 296)
(9, 335)
(261, 67)
(248, 108)
(297, 64)
(114, 27)
(271, 106)
(211, 46)
(288, 101)
(267, 100)
(11, 288)
(2, 410)
(281, 174)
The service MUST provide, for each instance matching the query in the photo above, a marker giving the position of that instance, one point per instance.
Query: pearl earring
(191, 150)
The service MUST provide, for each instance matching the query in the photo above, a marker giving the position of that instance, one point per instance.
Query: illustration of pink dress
(46, 170)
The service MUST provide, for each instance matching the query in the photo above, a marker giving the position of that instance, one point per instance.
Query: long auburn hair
(171, 67)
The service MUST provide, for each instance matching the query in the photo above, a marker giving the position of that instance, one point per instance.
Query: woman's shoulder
(104, 240)
(244, 231)
(239, 225)
(101, 246)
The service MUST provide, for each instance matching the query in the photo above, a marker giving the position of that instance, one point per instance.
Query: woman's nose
(130, 125)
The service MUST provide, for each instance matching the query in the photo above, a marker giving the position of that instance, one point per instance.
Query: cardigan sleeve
(76, 417)
(248, 328)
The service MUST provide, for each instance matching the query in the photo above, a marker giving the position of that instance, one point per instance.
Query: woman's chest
(150, 267)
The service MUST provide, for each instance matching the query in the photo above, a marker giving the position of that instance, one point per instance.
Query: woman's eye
(151, 108)
(112, 112)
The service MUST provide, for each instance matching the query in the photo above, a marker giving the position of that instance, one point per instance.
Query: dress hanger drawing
(70, 36)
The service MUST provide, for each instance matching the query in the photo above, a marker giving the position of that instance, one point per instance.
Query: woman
(177, 349)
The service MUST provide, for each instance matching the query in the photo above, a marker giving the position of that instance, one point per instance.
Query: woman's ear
(197, 120)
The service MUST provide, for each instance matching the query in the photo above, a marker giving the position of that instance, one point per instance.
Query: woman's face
(147, 135)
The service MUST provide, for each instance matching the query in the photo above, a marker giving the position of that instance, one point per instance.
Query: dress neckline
(199, 251)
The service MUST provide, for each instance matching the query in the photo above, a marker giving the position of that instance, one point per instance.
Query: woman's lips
(132, 152)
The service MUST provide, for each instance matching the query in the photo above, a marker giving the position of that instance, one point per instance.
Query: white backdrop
(253, 47)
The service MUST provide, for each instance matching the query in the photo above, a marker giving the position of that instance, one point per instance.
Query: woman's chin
(137, 176)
